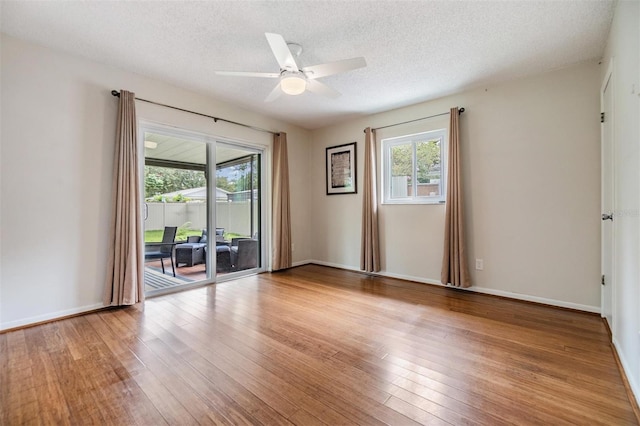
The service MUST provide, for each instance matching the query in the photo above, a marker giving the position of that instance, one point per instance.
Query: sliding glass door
(239, 247)
(202, 208)
(176, 209)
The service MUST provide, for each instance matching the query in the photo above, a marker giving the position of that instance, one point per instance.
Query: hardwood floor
(315, 345)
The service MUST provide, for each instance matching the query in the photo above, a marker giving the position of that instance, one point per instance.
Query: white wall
(531, 167)
(624, 47)
(58, 132)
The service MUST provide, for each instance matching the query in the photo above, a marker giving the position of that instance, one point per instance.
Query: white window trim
(386, 146)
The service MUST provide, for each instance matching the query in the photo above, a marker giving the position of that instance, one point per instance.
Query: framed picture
(341, 169)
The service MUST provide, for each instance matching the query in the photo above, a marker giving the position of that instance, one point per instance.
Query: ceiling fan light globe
(293, 85)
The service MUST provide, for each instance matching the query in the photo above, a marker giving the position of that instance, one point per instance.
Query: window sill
(413, 202)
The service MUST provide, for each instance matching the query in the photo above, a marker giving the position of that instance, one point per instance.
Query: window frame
(413, 139)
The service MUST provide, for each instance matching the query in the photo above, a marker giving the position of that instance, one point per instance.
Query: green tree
(160, 180)
(153, 184)
(248, 178)
(223, 182)
(401, 159)
(428, 160)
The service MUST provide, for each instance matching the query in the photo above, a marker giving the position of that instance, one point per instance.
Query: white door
(607, 202)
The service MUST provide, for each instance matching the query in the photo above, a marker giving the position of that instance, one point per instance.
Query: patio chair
(164, 249)
(234, 241)
(244, 255)
(223, 259)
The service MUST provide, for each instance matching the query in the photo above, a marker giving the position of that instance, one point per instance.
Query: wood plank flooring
(315, 346)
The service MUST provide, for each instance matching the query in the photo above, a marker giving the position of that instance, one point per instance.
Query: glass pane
(401, 171)
(428, 168)
(175, 211)
(237, 209)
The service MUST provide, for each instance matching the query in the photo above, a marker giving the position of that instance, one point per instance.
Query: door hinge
(602, 282)
(602, 117)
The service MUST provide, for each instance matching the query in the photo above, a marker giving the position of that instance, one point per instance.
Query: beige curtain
(370, 251)
(124, 284)
(281, 213)
(454, 262)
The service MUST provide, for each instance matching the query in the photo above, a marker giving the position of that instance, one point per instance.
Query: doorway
(176, 209)
(202, 208)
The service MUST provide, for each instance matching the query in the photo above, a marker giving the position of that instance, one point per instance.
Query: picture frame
(341, 169)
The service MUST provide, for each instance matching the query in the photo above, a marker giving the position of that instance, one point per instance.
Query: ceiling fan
(295, 80)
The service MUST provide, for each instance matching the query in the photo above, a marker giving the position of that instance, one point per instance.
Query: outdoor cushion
(220, 249)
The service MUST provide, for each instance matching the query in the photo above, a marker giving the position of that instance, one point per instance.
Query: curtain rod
(215, 119)
(460, 111)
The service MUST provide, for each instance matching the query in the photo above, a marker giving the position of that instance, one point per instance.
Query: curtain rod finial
(460, 111)
(115, 93)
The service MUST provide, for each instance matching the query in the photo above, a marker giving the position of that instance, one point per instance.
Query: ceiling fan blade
(275, 94)
(281, 52)
(249, 74)
(321, 89)
(331, 68)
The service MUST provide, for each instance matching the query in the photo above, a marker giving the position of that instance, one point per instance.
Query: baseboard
(536, 299)
(83, 309)
(39, 319)
(475, 289)
(633, 389)
(338, 266)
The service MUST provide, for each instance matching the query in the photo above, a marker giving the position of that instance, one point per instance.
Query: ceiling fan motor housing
(293, 83)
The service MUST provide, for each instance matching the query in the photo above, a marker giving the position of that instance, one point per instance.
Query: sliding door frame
(264, 204)
(209, 141)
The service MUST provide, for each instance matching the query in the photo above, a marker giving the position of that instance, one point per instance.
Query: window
(414, 168)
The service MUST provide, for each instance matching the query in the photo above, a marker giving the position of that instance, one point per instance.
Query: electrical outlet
(479, 264)
(293, 247)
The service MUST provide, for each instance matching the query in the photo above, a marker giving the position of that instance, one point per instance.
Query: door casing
(608, 201)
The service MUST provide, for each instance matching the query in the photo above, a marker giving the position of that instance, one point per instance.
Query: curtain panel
(282, 256)
(370, 247)
(124, 285)
(454, 263)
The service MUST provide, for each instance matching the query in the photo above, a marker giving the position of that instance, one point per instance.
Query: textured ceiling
(415, 51)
